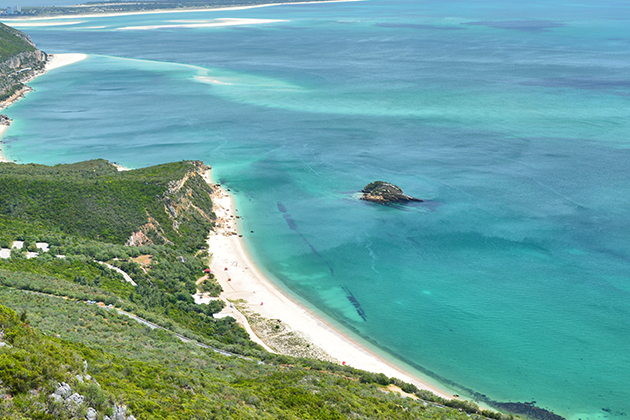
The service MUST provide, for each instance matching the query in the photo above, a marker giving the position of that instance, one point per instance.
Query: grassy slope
(12, 43)
(159, 377)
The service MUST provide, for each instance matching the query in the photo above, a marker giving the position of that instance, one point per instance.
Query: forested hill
(20, 60)
(164, 204)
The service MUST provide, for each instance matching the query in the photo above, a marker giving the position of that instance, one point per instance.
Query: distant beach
(153, 12)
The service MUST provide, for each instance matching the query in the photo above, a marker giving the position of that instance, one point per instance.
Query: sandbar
(205, 24)
(60, 60)
(155, 12)
(241, 279)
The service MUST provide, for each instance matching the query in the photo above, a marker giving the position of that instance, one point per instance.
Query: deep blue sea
(510, 118)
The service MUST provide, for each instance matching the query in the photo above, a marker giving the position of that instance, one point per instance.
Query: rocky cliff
(20, 61)
(384, 192)
(187, 205)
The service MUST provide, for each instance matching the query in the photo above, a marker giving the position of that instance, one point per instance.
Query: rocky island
(383, 193)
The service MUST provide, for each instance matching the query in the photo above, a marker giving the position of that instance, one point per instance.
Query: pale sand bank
(248, 283)
(203, 24)
(60, 60)
(25, 24)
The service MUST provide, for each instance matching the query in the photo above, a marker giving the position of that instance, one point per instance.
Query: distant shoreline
(159, 11)
(54, 61)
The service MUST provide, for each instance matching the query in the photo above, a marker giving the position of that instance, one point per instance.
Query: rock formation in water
(383, 193)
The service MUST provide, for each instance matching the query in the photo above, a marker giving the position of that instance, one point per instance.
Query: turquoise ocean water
(511, 119)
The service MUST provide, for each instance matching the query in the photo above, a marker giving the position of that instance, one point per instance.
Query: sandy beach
(230, 261)
(60, 60)
(203, 24)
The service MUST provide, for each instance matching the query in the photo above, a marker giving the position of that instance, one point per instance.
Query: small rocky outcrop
(383, 193)
(73, 401)
(120, 413)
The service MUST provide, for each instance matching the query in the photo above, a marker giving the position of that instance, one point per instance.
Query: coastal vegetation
(13, 42)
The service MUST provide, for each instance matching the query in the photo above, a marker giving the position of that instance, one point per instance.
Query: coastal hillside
(94, 325)
(166, 204)
(20, 61)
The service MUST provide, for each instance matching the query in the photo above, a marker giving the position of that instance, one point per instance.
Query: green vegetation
(93, 200)
(19, 62)
(158, 377)
(11, 91)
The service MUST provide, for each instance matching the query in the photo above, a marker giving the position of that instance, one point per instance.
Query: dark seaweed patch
(355, 303)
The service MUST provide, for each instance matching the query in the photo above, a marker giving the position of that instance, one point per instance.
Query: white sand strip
(240, 279)
(207, 24)
(156, 12)
(59, 60)
(25, 24)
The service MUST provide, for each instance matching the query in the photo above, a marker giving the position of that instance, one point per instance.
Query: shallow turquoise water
(510, 119)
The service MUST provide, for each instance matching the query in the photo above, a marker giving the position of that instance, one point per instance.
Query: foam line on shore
(2, 157)
(241, 279)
